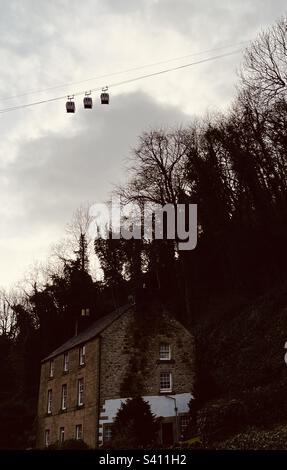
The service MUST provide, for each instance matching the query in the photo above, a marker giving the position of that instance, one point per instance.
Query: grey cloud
(217, 19)
(56, 173)
(53, 174)
(124, 6)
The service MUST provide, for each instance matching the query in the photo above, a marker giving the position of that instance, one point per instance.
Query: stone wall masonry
(119, 349)
(74, 415)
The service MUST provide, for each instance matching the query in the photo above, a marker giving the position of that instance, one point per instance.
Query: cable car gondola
(105, 98)
(88, 102)
(70, 105)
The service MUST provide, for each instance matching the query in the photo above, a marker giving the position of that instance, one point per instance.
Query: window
(85, 312)
(79, 432)
(165, 382)
(51, 371)
(184, 422)
(49, 402)
(80, 392)
(64, 397)
(82, 355)
(164, 352)
(62, 435)
(47, 437)
(107, 432)
(66, 362)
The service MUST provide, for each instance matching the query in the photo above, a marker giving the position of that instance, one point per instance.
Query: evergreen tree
(135, 426)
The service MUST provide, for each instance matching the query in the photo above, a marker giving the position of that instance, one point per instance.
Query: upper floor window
(51, 369)
(82, 356)
(80, 392)
(62, 435)
(49, 401)
(47, 438)
(165, 382)
(79, 432)
(66, 362)
(85, 312)
(164, 352)
(64, 397)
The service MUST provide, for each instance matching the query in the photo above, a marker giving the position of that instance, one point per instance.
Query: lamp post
(176, 416)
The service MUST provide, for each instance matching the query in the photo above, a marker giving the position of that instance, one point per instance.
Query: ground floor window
(183, 425)
(79, 432)
(62, 435)
(47, 438)
(107, 432)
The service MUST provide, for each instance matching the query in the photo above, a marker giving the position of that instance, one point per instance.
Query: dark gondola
(88, 101)
(70, 105)
(105, 97)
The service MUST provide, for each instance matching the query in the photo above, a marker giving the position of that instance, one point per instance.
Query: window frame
(49, 401)
(82, 355)
(79, 427)
(165, 389)
(66, 362)
(183, 426)
(81, 396)
(161, 352)
(51, 369)
(64, 397)
(62, 435)
(107, 432)
(85, 312)
(47, 438)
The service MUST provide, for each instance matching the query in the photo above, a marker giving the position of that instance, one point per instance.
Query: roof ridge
(89, 333)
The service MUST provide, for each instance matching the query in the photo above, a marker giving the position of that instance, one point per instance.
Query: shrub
(135, 426)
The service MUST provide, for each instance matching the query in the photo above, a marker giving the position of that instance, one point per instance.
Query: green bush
(257, 439)
(135, 426)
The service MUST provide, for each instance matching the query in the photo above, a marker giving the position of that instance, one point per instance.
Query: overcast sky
(52, 162)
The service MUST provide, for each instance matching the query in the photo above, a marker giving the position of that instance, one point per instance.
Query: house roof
(91, 332)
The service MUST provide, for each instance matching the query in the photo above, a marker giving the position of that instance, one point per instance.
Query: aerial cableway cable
(121, 83)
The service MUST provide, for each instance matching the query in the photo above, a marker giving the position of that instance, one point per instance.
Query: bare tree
(8, 300)
(157, 173)
(264, 71)
(79, 224)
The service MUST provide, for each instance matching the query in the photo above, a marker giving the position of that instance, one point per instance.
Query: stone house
(123, 354)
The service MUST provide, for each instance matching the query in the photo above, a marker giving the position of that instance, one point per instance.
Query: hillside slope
(242, 372)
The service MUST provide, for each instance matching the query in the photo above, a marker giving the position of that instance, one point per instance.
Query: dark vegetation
(135, 426)
(231, 291)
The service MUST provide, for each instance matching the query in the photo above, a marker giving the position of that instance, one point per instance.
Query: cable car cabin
(88, 102)
(70, 107)
(105, 98)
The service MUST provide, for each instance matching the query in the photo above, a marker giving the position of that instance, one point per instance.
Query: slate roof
(91, 332)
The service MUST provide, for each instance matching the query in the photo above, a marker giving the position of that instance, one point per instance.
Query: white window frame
(164, 389)
(184, 421)
(51, 369)
(81, 391)
(164, 352)
(62, 435)
(64, 397)
(47, 437)
(107, 432)
(66, 362)
(49, 401)
(82, 355)
(79, 432)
